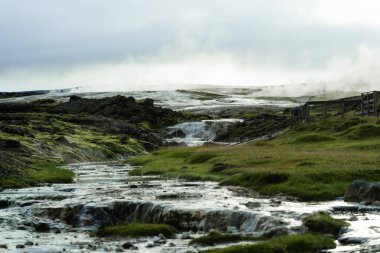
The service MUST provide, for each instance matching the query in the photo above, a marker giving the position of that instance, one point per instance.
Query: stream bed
(60, 217)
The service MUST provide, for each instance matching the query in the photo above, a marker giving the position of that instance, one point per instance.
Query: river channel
(60, 217)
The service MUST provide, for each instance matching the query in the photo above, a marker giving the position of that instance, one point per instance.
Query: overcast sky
(136, 44)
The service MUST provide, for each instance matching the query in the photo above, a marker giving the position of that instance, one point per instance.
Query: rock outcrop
(120, 107)
(100, 215)
(362, 191)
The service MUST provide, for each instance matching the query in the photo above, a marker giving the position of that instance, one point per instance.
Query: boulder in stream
(362, 191)
(177, 133)
(41, 226)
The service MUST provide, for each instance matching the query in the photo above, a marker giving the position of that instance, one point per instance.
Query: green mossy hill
(37, 173)
(323, 223)
(215, 237)
(137, 230)
(311, 161)
(306, 243)
(49, 172)
(75, 131)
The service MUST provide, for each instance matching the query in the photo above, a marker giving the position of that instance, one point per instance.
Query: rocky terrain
(75, 131)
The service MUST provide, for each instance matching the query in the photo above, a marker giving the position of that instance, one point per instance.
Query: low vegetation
(306, 243)
(137, 230)
(38, 172)
(49, 172)
(311, 161)
(323, 223)
(216, 237)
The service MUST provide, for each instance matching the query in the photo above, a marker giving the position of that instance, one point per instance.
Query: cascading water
(198, 132)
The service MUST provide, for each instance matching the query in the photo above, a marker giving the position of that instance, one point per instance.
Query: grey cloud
(66, 34)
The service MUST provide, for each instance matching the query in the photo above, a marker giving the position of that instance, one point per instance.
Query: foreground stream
(104, 194)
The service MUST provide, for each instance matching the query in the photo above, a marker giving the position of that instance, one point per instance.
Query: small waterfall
(198, 132)
(154, 212)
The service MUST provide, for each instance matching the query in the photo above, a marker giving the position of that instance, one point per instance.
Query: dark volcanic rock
(4, 204)
(63, 140)
(13, 130)
(175, 144)
(74, 98)
(276, 231)
(362, 191)
(253, 128)
(120, 107)
(5, 143)
(41, 227)
(177, 133)
(148, 102)
(15, 107)
(129, 245)
(351, 240)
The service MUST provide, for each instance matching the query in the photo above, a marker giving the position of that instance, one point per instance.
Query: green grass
(306, 243)
(38, 172)
(311, 161)
(312, 138)
(49, 172)
(137, 230)
(216, 237)
(323, 223)
(366, 131)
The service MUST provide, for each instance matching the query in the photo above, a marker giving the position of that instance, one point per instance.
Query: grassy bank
(137, 230)
(215, 237)
(311, 161)
(323, 223)
(39, 172)
(310, 243)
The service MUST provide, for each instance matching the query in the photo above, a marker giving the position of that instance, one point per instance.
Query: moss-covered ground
(323, 223)
(306, 243)
(36, 173)
(311, 161)
(32, 145)
(80, 130)
(215, 237)
(137, 230)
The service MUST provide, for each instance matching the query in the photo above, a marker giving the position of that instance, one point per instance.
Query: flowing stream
(60, 217)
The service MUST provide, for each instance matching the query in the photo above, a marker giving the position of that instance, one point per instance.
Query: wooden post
(375, 109)
(368, 108)
(306, 112)
(362, 104)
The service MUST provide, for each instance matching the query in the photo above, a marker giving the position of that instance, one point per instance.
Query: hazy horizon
(151, 44)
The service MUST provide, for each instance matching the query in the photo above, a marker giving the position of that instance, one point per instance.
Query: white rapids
(199, 132)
